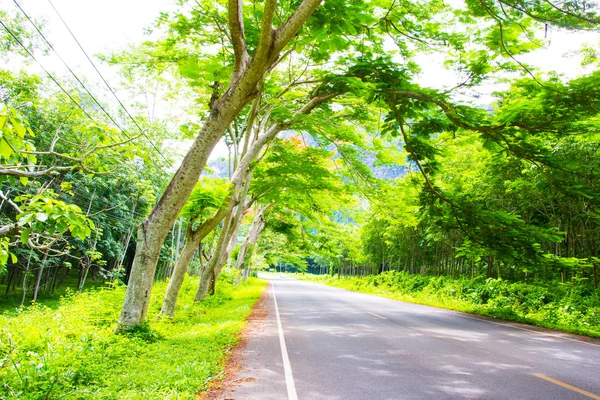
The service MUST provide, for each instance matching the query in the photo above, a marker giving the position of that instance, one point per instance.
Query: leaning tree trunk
(168, 306)
(247, 73)
(36, 288)
(225, 245)
(192, 242)
(256, 228)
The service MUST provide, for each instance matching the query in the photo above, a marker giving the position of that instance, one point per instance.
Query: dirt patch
(233, 364)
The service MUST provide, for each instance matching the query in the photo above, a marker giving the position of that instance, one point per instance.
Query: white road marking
(378, 316)
(287, 367)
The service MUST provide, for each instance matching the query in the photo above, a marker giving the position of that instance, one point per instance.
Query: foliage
(208, 195)
(72, 188)
(71, 352)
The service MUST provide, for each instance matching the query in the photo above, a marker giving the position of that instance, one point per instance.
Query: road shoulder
(254, 369)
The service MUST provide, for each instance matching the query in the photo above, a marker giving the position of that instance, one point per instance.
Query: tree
(358, 43)
(247, 73)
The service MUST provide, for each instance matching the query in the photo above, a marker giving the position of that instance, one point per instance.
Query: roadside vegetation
(344, 157)
(71, 352)
(569, 308)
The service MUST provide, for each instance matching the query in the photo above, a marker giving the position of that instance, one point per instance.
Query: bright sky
(100, 26)
(109, 25)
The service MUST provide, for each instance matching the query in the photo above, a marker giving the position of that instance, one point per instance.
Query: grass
(569, 308)
(10, 300)
(71, 353)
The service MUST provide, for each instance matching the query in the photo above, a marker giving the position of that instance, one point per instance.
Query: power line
(78, 80)
(10, 32)
(106, 83)
(82, 199)
(71, 71)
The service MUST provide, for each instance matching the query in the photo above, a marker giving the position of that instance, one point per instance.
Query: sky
(110, 25)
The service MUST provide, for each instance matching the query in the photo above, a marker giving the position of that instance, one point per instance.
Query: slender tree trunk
(39, 278)
(83, 276)
(25, 280)
(256, 228)
(178, 276)
(11, 276)
(52, 285)
(63, 277)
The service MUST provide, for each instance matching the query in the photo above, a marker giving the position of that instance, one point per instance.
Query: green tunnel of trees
(341, 158)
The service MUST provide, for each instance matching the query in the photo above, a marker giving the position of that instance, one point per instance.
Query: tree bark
(170, 300)
(224, 247)
(256, 228)
(39, 278)
(245, 78)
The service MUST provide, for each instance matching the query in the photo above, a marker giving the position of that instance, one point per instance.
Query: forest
(345, 157)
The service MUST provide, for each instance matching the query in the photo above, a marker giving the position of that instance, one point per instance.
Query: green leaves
(15, 137)
(208, 195)
(46, 214)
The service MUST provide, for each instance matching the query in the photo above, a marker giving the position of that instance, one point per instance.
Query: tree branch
(33, 174)
(236, 26)
(430, 184)
(265, 41)
(288, 30)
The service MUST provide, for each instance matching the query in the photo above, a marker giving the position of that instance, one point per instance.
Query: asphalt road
(352, 346)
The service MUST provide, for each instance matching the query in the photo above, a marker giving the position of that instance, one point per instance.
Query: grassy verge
(10, 300)
(569, 308)
(71, 353)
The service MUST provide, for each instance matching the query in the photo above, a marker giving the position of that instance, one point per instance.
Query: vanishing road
(322, 343)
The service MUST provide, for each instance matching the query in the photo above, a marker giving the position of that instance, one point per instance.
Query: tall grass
(71, 353)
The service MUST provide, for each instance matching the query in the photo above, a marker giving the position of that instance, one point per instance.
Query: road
(323, 343)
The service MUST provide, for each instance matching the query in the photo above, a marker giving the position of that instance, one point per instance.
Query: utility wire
(10, 32)
(71, 71)
(106, 83)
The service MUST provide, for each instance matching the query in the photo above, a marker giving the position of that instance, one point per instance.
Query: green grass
(569, 308)
(11, 300)
(71, 353)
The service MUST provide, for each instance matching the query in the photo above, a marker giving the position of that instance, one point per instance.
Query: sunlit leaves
(45, 214)
(208, 195)
(16, 144)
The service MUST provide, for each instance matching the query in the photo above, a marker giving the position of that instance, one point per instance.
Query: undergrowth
(71, 352)
(570, 308)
